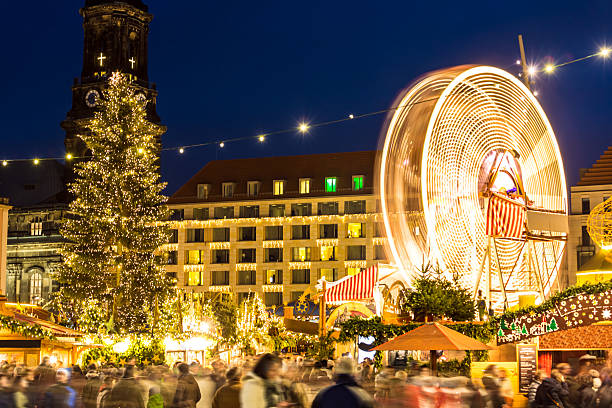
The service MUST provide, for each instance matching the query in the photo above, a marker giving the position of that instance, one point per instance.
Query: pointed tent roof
(600, 172)
(433, 336)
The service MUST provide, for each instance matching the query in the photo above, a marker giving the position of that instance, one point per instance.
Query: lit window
(330, 184)
(279, 187)
(195, 279)
(253, 188)
(36, 227)
(357, 183)
(203, 190)
(228, 189)
(328, 253)
(300, 254)
(274, 276)
(355, 230)
(193, 257)
(35, 285)
(304, 186)
(330, 274)
(352, 271)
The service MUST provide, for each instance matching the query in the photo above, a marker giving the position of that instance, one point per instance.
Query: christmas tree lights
(110, 270)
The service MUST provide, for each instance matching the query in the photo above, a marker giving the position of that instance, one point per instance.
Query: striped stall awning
(505, 217)
(356, 287)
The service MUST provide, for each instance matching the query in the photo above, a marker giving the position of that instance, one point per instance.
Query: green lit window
(357, 183)
(330, 184)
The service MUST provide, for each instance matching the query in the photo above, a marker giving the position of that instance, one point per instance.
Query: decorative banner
(576, 311)
(527, 356)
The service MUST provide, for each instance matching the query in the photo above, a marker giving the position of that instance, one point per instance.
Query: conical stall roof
(433, 336)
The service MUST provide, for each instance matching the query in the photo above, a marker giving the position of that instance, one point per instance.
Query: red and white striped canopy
(505, 217)
(356, 287)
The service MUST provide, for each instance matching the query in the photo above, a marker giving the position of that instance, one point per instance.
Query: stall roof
(593, 337)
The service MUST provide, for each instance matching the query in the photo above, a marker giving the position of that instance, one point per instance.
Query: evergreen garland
(26, 329)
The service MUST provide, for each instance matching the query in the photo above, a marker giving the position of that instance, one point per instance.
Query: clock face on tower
(91, 98)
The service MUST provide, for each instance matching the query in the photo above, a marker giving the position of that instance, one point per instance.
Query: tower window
(35, 285)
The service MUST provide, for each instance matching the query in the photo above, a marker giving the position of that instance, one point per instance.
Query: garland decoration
(25, 329)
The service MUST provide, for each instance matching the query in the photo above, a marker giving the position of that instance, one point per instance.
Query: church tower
(116, 39)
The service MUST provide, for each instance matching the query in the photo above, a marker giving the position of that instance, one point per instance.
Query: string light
(36, 161)
(303, 127)
(140, 150)
(4, 162)
(532, 70)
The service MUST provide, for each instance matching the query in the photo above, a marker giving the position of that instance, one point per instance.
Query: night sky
(232, 69)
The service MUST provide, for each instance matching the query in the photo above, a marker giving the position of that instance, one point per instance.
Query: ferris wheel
(471, 179)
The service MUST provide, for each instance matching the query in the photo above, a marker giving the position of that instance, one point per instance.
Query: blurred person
(155, 398)
(60, 395)
(295, 390)
(168, 386)
(89, 395)
(187, 389)
(345, 393)
(505, 387)
(381, 383)
(490, 381)
(6, 393)
(366, 370)
(228, 396)
(20, 397)
(127, 392)
(261, 388)
(603, 396)
(552, 391)
(572, 386)
(104, 392)
(533, 387)
(587, 395)
(208, 387)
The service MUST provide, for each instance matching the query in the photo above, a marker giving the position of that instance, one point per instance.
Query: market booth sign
(576, 311)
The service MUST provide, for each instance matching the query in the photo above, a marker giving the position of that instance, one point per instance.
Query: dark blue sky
(231, 69)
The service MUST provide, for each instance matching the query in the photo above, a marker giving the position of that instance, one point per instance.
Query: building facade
(594, 187)
(275, 226)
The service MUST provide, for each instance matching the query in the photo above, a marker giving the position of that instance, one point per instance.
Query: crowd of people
(271, 381)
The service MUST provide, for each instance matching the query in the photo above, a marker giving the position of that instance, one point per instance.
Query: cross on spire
(132, 61)
(101, 58)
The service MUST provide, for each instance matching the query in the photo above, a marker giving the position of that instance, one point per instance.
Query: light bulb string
(304, 127)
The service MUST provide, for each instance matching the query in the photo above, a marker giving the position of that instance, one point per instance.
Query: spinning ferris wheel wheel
(471, 178)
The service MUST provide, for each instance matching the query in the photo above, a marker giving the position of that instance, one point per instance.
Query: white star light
(606, 314)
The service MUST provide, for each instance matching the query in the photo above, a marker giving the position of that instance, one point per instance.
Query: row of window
(278, 187)
(298, 254)
(271, 233)
(586, 204)
(274, 210)
(271, 276)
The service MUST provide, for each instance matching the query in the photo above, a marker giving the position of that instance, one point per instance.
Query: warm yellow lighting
(549, 68)
(181, 150)
(36, 161)
(532, 70)
(121, 347)
(604, 52)
(518, 62)
(140, 150)
(4, 162)
(536, 93)
(303, 127)
(351, 116)
(221, 144)
(68, 156)
(262, 138)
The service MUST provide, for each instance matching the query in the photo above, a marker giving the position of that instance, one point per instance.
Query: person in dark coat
(60, 395)
(345, 393)
(228, 396)
(91, 389)
(6, 394)
(603, 396)
(490, 382)
(552, 391)
(187, 389)
(127, 392)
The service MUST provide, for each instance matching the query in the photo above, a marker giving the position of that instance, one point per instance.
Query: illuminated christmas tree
(113, 228)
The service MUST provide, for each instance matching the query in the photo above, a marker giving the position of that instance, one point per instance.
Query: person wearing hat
(345, 392)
